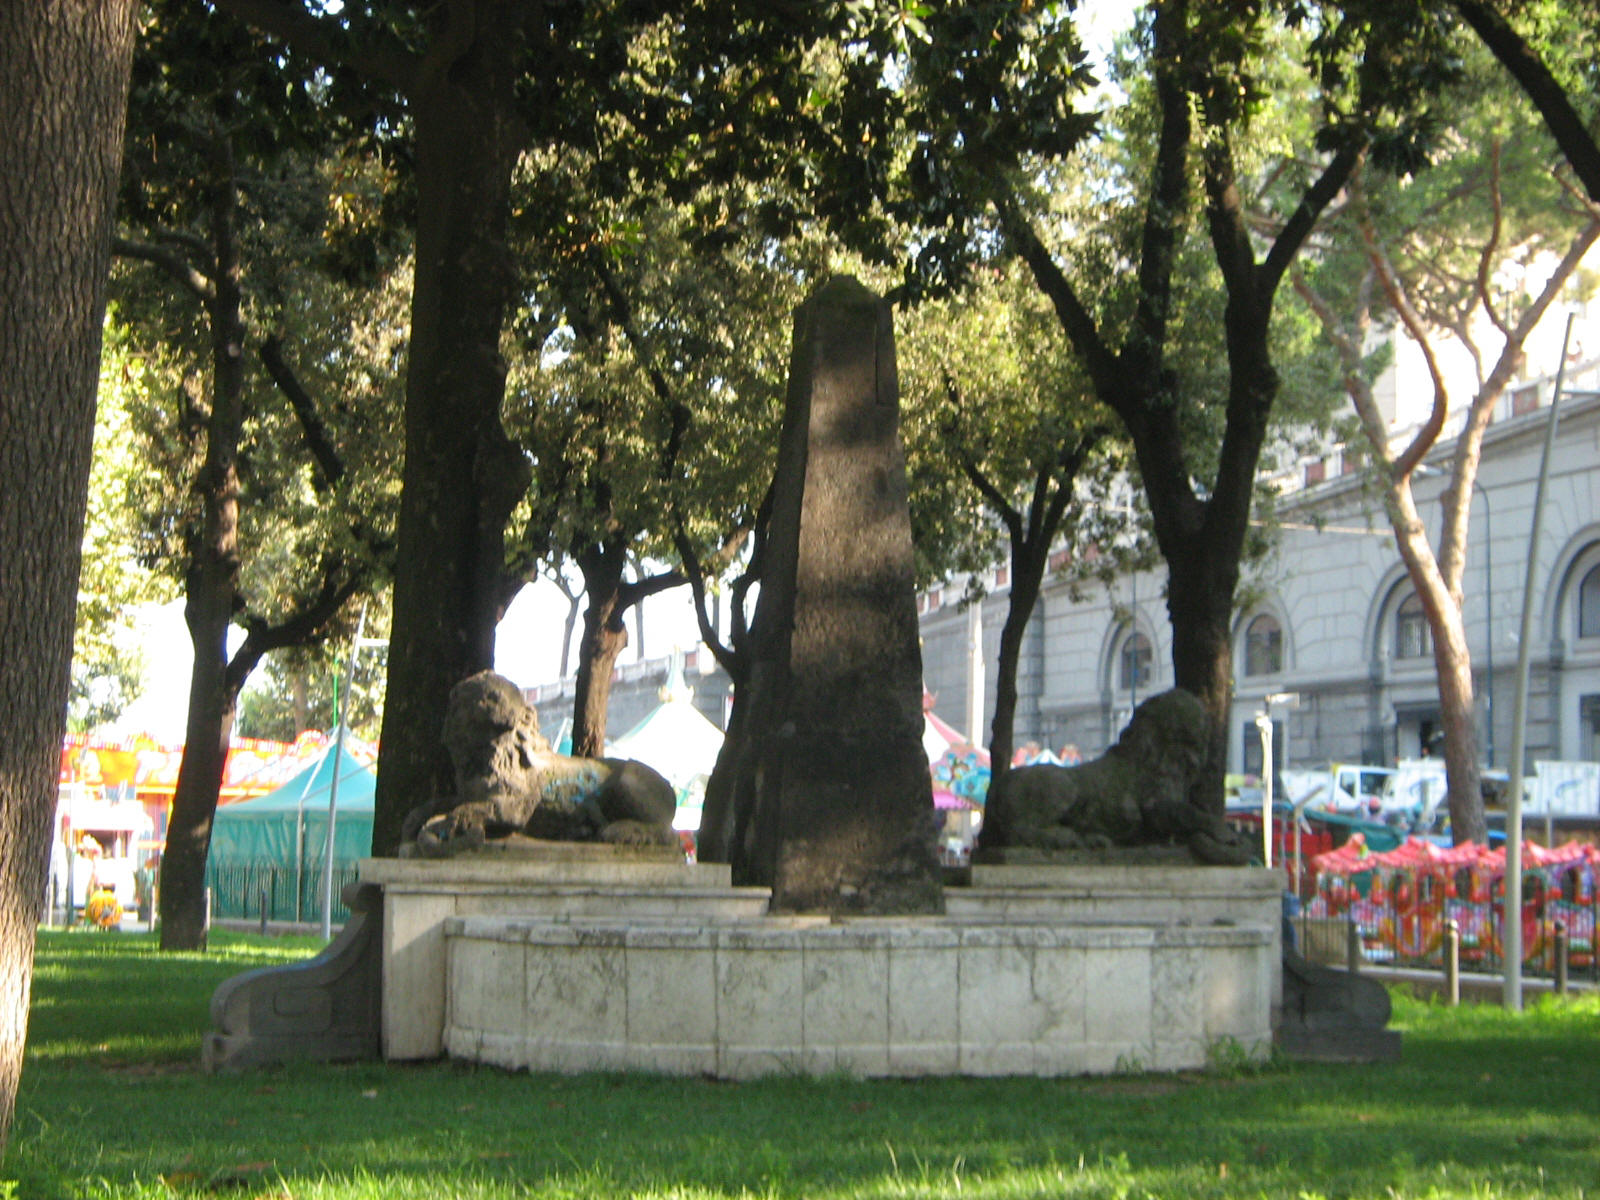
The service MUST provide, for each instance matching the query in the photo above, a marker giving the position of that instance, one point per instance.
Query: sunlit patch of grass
(1486, 1105)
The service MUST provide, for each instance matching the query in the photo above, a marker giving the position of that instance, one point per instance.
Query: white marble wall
(420, 895)
(1040, 971)
(874, 998)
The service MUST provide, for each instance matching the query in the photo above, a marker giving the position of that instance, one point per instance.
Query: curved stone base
(873, 997)
(584, 958)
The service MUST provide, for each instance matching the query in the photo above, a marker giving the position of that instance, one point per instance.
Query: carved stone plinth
(328, 1009)
(1334, 1016)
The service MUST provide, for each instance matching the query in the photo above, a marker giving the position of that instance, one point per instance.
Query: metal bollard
(1562, 948)
(1452, 963)
(263, 912)
(1352, 946)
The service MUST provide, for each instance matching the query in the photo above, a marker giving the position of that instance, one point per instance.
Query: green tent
(269, 844)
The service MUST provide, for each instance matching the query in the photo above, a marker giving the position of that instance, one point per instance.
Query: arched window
(1589, 604)
(1412, 638)
(1133, 670)
(1263, 646)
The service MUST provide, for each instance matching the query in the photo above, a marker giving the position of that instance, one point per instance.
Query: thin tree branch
(1008, 514)
(678, 412)
(640, 590)
(731, 658)
(1167, 208)
(1348, 347)
(197, 246)
(298, 629)
(192, 280)
(1230, 237)
(1394, 291)
(315, 431)
(1076, 320)
(1485, 293)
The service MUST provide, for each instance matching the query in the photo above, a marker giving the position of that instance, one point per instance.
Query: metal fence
(246, 892)
(1400, 931)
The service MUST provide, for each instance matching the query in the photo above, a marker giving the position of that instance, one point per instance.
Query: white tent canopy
(678, 740)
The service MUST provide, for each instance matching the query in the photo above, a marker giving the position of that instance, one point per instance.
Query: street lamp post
(1264, 726)
(1511, 918)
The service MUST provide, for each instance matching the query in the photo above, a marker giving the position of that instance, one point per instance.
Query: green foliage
(649, 363)
(1497, 200)
(989, 90)
(108, 666)
(1229, 1058)
(228, 139)
(986, 378)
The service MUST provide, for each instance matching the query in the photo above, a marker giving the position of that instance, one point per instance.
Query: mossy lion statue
(1136, 794)
(508, 781)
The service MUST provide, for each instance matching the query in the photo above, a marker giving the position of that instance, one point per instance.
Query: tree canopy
(270, 501)
(613, 205)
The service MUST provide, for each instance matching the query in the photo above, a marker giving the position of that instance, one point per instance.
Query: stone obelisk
(828, 779)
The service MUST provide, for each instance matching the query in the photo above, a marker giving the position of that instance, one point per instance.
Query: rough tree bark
(462, 473)
(63, 96)
(211, 586)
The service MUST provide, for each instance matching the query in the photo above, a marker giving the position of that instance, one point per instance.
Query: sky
(528, 643)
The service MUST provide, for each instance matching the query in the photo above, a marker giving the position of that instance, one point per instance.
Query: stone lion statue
(1136, 794)
(508, 781)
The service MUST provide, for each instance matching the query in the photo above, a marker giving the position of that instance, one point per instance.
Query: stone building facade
(1330, 617)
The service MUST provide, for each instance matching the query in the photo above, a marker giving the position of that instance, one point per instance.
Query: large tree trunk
(63, 95)
(1203, 543)
(213, 581)
(723, 836)
(1200, 605)
(462, 474)
(207, 732)
(1201, 535)
(1436, 574)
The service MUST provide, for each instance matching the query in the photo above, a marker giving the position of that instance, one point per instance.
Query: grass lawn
(114, 1107)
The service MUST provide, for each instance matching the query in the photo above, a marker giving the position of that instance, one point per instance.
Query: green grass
(113, 1106)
